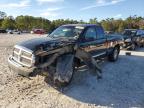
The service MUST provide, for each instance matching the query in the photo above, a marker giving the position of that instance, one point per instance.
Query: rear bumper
(16, 67)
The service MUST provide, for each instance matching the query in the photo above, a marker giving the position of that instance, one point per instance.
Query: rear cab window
(90, 34)
(100, 32)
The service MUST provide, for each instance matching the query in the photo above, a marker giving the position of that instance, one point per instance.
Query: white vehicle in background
(13, 32)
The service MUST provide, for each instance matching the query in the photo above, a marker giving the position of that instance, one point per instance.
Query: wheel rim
(133, 46)
(115, 54)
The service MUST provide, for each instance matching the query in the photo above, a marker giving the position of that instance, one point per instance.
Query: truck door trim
(97, 55)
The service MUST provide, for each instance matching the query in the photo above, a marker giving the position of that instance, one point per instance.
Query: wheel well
(77, 62)
(117, 46)
(136, 43)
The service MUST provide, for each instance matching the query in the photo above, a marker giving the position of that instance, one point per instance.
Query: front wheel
(65, 68)
(114, 55)
(60, 83)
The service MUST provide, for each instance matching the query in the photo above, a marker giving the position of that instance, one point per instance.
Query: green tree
(93, 21)
(8, 23)
(30, 22)
(108, 24)
(2, 15)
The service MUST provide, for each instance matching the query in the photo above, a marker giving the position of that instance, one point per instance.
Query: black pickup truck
(133, 38)
(63, 50)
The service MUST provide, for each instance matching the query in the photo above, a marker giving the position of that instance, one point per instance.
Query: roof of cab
(131, 29)
(82, 25)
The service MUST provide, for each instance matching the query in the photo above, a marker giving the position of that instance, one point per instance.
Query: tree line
(29, 22)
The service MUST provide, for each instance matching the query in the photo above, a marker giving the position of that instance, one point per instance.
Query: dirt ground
(122, 85)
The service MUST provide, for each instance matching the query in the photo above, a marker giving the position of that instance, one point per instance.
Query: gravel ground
(121, 86)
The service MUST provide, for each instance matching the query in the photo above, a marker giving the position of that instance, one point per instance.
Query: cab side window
(100, 33)
(90, 34)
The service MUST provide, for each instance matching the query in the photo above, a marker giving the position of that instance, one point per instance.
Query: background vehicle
(38, 31)
(63, 49)
(133, 38)
(14, 32)
(3, 31)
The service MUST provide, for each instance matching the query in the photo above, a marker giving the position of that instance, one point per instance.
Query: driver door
(90, 43)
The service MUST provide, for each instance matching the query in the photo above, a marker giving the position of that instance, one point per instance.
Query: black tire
(142, 43)
(114, 55)
(64, 84)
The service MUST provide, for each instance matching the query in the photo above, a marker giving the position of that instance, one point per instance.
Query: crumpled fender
(89, 61)
(65, 65)
(64, 68)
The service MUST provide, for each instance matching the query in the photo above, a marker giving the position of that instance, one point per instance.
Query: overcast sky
(74, 9)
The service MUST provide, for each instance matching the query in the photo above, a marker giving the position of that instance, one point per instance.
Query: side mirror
(48, 35)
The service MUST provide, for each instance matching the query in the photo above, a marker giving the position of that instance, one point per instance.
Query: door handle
(92, 46)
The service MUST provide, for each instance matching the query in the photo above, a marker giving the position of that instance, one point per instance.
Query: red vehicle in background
(38, 31)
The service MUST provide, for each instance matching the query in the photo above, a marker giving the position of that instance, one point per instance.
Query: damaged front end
(62, 60)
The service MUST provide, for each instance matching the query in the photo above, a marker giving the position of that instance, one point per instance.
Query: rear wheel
(114, 55)
(142, 42)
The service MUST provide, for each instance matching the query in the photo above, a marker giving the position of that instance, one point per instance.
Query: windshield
(67, 31)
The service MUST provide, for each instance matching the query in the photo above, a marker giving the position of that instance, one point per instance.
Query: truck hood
(46, 43)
